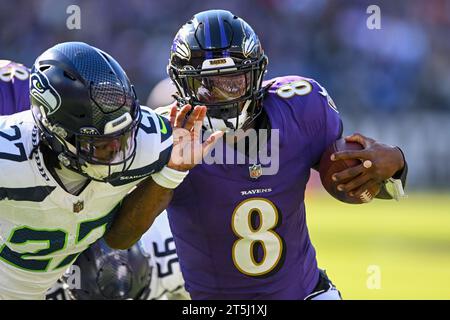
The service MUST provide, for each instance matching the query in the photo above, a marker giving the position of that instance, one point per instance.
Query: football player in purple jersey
(249, 240)
(240, 229)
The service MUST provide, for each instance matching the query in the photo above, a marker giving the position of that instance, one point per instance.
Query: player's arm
(137, 213)
(140, 208)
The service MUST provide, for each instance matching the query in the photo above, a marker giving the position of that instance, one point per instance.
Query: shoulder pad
(164, 111)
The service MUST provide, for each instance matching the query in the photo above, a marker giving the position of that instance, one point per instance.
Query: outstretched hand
(379, 162)
(188, 149)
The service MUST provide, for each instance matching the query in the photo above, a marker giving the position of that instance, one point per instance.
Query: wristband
(169, 178)
(395, 188)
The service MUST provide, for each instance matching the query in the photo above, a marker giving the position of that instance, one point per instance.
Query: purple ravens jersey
(241, 235)
(14, 92)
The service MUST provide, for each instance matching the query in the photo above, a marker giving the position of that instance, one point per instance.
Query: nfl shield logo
(255, 171)
(78, 206)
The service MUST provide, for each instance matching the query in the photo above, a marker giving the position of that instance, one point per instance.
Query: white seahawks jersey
(43, 228)
(166, 282)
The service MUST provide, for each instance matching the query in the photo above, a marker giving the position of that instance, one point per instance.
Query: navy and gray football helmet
(86, 109)
(217, 60)
(108, 274)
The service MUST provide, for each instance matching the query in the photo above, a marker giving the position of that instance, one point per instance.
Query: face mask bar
(223, 89)
(67, 151)
(184, 81)
(109, 149)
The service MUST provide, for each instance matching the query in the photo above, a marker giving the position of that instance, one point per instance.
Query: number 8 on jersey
(244, 249)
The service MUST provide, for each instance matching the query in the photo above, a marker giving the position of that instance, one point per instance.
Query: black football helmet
(86, 109)
(217, 60)
(108, 274)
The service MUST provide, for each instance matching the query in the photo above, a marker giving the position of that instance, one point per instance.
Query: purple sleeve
(315, 114)
(328, 116)
(14, 92)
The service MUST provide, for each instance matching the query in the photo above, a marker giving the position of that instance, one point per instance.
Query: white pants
(325, 289)
(330, 294)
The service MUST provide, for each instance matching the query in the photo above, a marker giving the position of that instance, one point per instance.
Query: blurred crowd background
(392, 83)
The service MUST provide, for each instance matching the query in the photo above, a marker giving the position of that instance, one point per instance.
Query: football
(328, 168)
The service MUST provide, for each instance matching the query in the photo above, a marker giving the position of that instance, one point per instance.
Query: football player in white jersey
(70, 161)
(149, 270)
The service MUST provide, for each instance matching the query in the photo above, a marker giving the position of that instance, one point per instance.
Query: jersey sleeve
(331, 122)
(316, 117)
(14, 92)
(164, 130)
(16, 144)
(154, 146)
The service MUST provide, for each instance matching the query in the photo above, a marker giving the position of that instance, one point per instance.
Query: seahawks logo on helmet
(44, 93)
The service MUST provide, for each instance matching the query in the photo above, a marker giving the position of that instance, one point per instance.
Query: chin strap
(259, 96)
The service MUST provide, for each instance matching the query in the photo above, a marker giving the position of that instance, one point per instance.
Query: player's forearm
(137, 213)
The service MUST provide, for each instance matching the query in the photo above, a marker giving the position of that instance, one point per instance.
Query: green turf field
(407, 241)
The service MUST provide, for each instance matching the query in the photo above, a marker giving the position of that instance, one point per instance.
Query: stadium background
(392, 84)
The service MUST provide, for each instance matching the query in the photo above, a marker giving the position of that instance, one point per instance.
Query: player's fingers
(349, 173)
(181, 116)
(361, 139)
(352, 154)
(198, 128)
(173, 115)
(199, 120)
(211, 141)
(202, 114)
(363, 191)
(354, 183)
(192, 118)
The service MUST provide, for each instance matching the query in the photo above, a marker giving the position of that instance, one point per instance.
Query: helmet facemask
(98, 157)
(230, 92)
